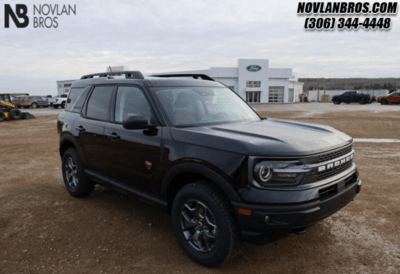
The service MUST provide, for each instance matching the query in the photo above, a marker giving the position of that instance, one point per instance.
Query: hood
(269, 137)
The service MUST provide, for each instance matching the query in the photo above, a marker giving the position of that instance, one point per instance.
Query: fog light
(266, 219)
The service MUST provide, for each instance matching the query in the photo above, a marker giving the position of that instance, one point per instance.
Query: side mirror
(135, 121)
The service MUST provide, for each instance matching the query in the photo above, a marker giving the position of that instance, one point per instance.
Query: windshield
(5, 97)
(192, 106)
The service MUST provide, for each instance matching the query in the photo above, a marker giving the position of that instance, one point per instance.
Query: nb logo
(21, 11)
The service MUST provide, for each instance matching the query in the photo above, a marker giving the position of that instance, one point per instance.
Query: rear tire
(203, 223)
(2, 116)
(15, 114)
(73, 173)
(34, 105)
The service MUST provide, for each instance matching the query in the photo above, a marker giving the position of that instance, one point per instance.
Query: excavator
(9, 111)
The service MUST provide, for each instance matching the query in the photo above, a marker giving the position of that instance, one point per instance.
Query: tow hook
(298, 231)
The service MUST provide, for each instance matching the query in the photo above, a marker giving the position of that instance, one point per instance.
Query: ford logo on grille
(336, 164)
(253, 68)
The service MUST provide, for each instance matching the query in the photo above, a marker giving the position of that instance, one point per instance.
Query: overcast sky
(154, 36)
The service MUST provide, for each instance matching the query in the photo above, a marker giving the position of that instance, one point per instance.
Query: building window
(276, 94)
(253, 97)
(67, 85)
(59, 86)
(231, 88)
(253, 84)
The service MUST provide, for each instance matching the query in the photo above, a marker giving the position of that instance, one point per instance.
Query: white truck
(60, 101)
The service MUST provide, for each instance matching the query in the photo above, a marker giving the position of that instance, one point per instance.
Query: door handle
(114, 136)
(80, 128)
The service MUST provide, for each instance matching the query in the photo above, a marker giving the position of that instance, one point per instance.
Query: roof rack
(195, 76)
(128, 74)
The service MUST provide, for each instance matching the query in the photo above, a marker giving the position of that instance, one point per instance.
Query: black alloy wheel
(73, 174)
(203, 222)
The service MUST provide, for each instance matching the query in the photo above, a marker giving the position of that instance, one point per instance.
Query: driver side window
(130, 100)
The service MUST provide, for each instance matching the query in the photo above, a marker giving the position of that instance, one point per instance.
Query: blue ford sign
(253, 68)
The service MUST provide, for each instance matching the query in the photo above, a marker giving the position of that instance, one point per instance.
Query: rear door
(132, 156)
(90, 126)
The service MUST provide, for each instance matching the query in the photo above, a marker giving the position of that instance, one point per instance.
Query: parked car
(60, 101)
(198, 150)
(37, 101)
(351, 97)
(393, 98)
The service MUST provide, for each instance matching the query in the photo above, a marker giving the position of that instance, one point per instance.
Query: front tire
(203, 223)
(361, 101)
(15, 114)
(34, 105)
(73, 174)
(336, 101)
(384, 102)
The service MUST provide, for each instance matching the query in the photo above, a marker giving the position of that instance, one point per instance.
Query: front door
(132, 156)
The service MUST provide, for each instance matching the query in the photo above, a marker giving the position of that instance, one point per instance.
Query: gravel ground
(45, 230)
(43, 111)
(314, 109)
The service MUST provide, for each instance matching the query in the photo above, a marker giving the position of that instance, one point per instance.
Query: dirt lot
(44, 230)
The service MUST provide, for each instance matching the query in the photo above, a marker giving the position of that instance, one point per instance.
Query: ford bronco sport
(196, 149)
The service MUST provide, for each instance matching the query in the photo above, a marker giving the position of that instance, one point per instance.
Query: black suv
(195, 148)
(351, 97)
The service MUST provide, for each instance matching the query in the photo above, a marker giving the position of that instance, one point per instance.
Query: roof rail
(195, 76)
(128, 74)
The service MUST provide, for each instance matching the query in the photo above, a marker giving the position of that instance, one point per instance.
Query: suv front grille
(333, 155)
(331, 172)
(319, 159)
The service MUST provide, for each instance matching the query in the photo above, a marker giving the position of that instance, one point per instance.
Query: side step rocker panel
(126, 189)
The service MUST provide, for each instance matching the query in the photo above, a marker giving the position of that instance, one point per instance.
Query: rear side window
(73, 96)
(97, 107)
(76, 99)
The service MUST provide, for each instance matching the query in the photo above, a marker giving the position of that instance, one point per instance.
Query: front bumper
(293, 211)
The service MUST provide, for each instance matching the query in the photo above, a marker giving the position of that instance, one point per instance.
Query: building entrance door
(253, 97)
(291, 95)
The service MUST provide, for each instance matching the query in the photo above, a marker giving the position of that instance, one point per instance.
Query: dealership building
(252, 79)
(256, 82)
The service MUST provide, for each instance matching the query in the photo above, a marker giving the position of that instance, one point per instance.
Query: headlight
(268, 173)
(265, 173)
